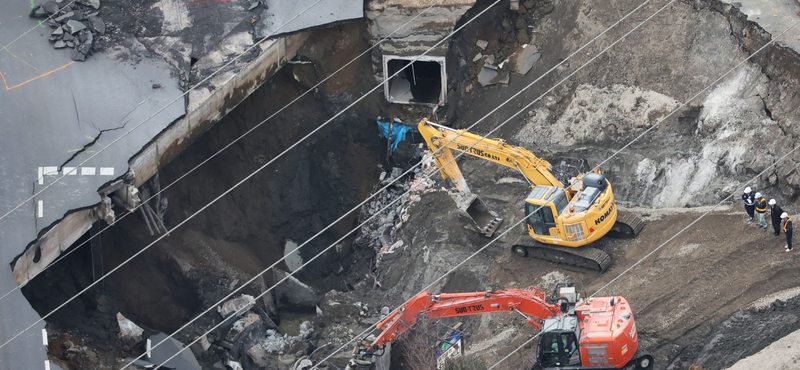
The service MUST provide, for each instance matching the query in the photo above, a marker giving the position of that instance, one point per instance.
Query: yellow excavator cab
(561, 216)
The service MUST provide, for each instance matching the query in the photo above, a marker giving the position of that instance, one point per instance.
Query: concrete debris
(380, 233)
(254, 5)
(302, 364)
(75, 26)
(319, 311)
(293, 294)
(482, 44)
(159, 354)
(385, 311)
(489, 59)
(97, 24)
(490, 75)
(477, 57)
(240, 325)
(234, 365)
(127, 329)
(50, 7)
(521, 60)
(240, 304)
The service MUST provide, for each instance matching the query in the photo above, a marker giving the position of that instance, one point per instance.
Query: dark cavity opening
(420, 83)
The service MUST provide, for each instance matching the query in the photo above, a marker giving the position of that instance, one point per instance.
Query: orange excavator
(576, 333)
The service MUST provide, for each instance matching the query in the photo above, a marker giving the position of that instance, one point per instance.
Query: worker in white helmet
(761, 211)
(787, 229)
(749, 199)
(775, 215)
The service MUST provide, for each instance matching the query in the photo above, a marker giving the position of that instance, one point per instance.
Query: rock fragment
(50, 7)
(74, 26)
(482, 44)
(78, 56)
(60, 44)
(97, 24)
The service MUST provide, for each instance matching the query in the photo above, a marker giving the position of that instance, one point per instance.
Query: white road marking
(106, 171)
(47, 365)
(40, 208)
(40, 176)
(87, 171)
(44, 337)
(50, 170)
(149, 347)
(69, 171)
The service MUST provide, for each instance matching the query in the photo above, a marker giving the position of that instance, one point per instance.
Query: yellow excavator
(562, 219)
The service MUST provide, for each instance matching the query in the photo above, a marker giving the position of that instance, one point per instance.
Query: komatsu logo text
(477, 152)
(473, 308)
(603, 217)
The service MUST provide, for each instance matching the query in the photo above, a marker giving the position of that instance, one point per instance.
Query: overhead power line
(408, 171)
(180, 97)
(365, 332)
(310, 90)
(246, 178)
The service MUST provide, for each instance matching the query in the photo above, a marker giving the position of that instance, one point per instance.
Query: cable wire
(637, 263)
(362, 334)
(180, 97)
(408, 171)
(230, 144)
(34, 27)
(247, 177)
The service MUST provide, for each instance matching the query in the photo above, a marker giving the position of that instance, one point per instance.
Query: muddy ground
(686, 297)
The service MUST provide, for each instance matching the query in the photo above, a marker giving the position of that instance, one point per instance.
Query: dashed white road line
(44, 337)
(69, 171)
(46, 364)
(40, 208)
(106, 171)
(87, 171)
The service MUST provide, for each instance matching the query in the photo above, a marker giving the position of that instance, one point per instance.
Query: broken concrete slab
(75, 26)
(293, 294)
(64, 17)
(38, 12)
(50, 7)
(241, 304)
(522, 60)
(490, 75)
(127, 329)
(157, 355)
(77, 56)
(57, 32)
(477, 57)
(482, 44)
(97, 24)
(94, 4)
(60, 44)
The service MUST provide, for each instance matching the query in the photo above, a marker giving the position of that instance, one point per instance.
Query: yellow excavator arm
(566, 217)
(535, 169)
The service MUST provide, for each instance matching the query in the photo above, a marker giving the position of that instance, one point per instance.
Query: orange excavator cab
(576, 334)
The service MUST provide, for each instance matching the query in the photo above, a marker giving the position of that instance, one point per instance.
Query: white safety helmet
(758, 195)
(784, 215)
(772, 202)
(747, 190)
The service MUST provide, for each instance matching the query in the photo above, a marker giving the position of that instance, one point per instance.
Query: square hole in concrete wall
(423, 82)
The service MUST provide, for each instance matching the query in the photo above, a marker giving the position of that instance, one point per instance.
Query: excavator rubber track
(628, 225)
(583, 257)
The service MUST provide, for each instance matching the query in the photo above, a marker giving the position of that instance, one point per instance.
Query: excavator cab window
(540, 219)
(557, 349)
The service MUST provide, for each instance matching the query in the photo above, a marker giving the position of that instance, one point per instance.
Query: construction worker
(761, 210)
(749, 203)
(775, 215)
(787, 229)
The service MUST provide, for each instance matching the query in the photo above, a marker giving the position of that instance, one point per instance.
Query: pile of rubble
(380, 232)
(75, 25)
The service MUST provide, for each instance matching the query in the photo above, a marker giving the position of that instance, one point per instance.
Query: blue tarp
(399, 131)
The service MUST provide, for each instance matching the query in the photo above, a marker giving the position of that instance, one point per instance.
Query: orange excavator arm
(529, 302)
